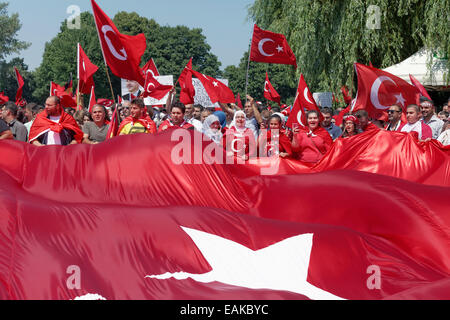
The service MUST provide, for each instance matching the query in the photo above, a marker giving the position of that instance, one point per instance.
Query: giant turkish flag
(126, 232)
(378, 90)
(122, 53)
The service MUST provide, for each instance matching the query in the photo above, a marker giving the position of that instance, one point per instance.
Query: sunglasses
(392, 111)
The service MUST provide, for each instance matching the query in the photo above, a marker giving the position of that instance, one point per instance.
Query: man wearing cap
(429, 118)
(395, 118)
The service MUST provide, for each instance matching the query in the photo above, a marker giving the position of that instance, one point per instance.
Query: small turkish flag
(113, 126)
(155, 89)
(92, 100)
(419, 87)
(239, 101)
(3, 98)
(122, 53)
(105, 102)
(303, 103)
(378, 90)
(21, 83)
(187, 93)
(270, 47)
(150, 67)
(67, 100)
(86, 70)
(217, 91)
(269, 91)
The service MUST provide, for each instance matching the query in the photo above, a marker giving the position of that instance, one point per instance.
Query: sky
(224, 22)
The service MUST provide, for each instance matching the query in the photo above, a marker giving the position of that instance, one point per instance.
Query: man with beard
(54, 127)
(395, 118)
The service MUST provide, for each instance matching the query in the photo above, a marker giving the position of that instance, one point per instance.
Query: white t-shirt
(197, 124)
(53, 138)
(417, 127)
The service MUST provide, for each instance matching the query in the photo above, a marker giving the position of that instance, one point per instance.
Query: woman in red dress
(311, 143)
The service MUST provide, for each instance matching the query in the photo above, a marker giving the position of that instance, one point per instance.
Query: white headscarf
(215, 136)
(233, 124)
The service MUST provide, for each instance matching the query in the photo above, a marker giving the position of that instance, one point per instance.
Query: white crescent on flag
(265, 87)
(305, 94)
(375, 89)
(260, 47)
(113, 50)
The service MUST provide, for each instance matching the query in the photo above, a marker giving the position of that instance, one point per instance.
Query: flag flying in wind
(269, 91)
(187, 93)
(217, 91)
(113, 125)
(381, 234)
(419, 87)
(270, 47)
(19, 100)
(303, 103)
(150, 67)
(122, 53)
(155, 89)
(67, 101)
(239, 101)
(86, 70)
(378, 90)
(92, 100)
(3, 98)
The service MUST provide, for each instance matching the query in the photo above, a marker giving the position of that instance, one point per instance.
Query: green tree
(9, 26)
(327, 37)
(8, 80)
(170, 47)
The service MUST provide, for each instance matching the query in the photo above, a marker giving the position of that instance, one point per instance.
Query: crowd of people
(256, 130)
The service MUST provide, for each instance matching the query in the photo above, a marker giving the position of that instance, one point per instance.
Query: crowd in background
(240, 132)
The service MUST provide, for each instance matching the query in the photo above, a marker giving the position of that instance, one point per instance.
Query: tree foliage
(8, 80)
(328, 37)
(9, 26)
(170, 47)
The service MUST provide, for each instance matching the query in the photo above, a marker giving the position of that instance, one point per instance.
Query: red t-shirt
(312, 145)
(168, 124)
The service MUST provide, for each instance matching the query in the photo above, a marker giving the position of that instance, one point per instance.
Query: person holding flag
(312, 142)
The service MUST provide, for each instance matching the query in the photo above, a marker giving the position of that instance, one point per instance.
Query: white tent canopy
(418, 66)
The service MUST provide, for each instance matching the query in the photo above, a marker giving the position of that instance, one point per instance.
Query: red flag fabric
(303, 103)
(20, 83)
(378, 90)
(155, 89)
(419, 87)
(67, 101)
(269, 91)
(150, 67)
(105, 102)
(113, 126)
(42, 124)
(340, 116)
(270, 47)
(347, 97)
(234, 238)
(187, 93)
(86, 70)
(56, 89)
(122, 53)
(239, 101)
(92, 100)
(217, 91)
(3, 98)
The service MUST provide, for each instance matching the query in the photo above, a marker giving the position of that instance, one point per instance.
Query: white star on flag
(281, 266)
(400, 99)
(215, 84)
(280, 49)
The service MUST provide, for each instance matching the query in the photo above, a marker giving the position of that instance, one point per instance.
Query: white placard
(164, 80)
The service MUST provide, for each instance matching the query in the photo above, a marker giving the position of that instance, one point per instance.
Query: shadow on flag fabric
(269, 91)
(122, 53)
(270, 47)
(303, 103)
(378, 90)
(234, 238)
(86, 70)
(217, 91)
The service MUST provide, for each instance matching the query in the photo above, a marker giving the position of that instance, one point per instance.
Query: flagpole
(248, 67)
(110, 84)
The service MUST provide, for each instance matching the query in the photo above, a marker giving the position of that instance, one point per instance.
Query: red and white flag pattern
(187, 93)
(217, 91)
(155, 89)
(151, 68)
(378, 90)
(270, 47)
(122, 53)
(269, 91)
(303, 103)
(86, 70)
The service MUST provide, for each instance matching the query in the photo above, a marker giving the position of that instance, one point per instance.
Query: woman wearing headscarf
(239, 140)
(212, 129)
(274, 141)
(350, 125)
(311, 143)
